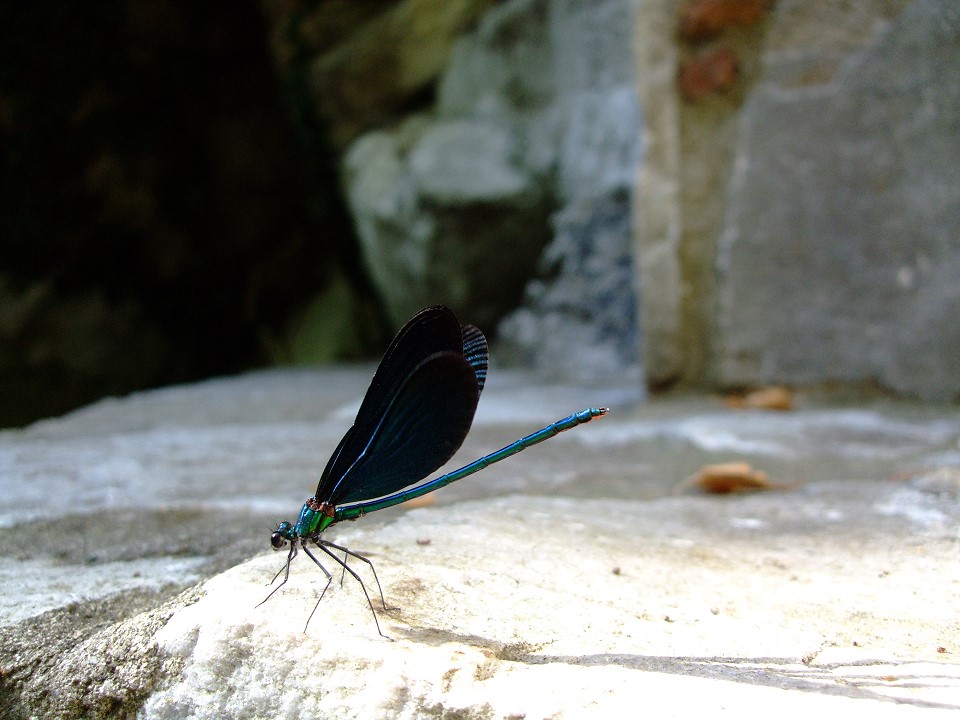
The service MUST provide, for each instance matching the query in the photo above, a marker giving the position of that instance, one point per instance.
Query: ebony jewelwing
(414, 417)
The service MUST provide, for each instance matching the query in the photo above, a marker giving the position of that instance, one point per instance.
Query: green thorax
(314, 518)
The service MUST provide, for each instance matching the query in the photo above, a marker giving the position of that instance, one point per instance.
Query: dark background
(165, 208)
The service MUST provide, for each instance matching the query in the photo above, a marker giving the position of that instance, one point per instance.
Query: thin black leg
(358, 556)
(325, 587)
(343, 570)
(290, 556)
(322, 544)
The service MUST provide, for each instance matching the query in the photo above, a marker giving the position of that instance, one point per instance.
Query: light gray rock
(583, 326)
(841, 249)
(504, 67)
(566, 581)
(579, 316)
(452, 206)
(465, 161)
(536, 117)
(597, 103)
(594, 629)
(445, 214)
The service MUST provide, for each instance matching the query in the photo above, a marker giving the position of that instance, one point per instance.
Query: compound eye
(277, 540)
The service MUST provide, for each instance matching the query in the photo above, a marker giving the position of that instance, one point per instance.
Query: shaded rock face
(531, 146)
(383, 68)
(840, 253)
(58, 351)
(155, 218)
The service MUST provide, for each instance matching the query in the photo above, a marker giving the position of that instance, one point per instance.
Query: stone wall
(522, 167)
(770, 185)
(797, 221)
(783, 169)
(840, 252)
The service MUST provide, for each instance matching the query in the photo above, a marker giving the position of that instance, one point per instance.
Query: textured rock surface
(564, 582)
(536, 115)
(841, 251)
(385, 58)
(797, 225)
(445, 215)
(580, 322)
(579, 316)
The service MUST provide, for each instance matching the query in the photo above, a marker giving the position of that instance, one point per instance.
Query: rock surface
(532, 123)
(568, 581)
(841, 250)
(579, 315)
(444, 213)
(384, 56)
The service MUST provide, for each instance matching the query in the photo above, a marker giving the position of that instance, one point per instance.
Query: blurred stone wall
(522, 167)
(839, 257)
(797, 214)
(694, 193)
(710, 193)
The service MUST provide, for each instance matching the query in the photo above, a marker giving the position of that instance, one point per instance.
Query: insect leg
(322, 544)
(285, 569)
(351, 553)
(343, 570)
(325, 587)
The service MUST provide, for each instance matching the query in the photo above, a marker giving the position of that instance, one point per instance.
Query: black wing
(427, 420)
(432, 330)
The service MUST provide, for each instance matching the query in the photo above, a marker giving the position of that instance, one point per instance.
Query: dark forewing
(432, 330)
(427, 421)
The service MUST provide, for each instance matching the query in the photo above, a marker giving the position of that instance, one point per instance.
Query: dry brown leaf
(774, 397)
(732, 477)
(422, 501)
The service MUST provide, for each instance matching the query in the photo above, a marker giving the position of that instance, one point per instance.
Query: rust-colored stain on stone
(709, 73)
(703, 19)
